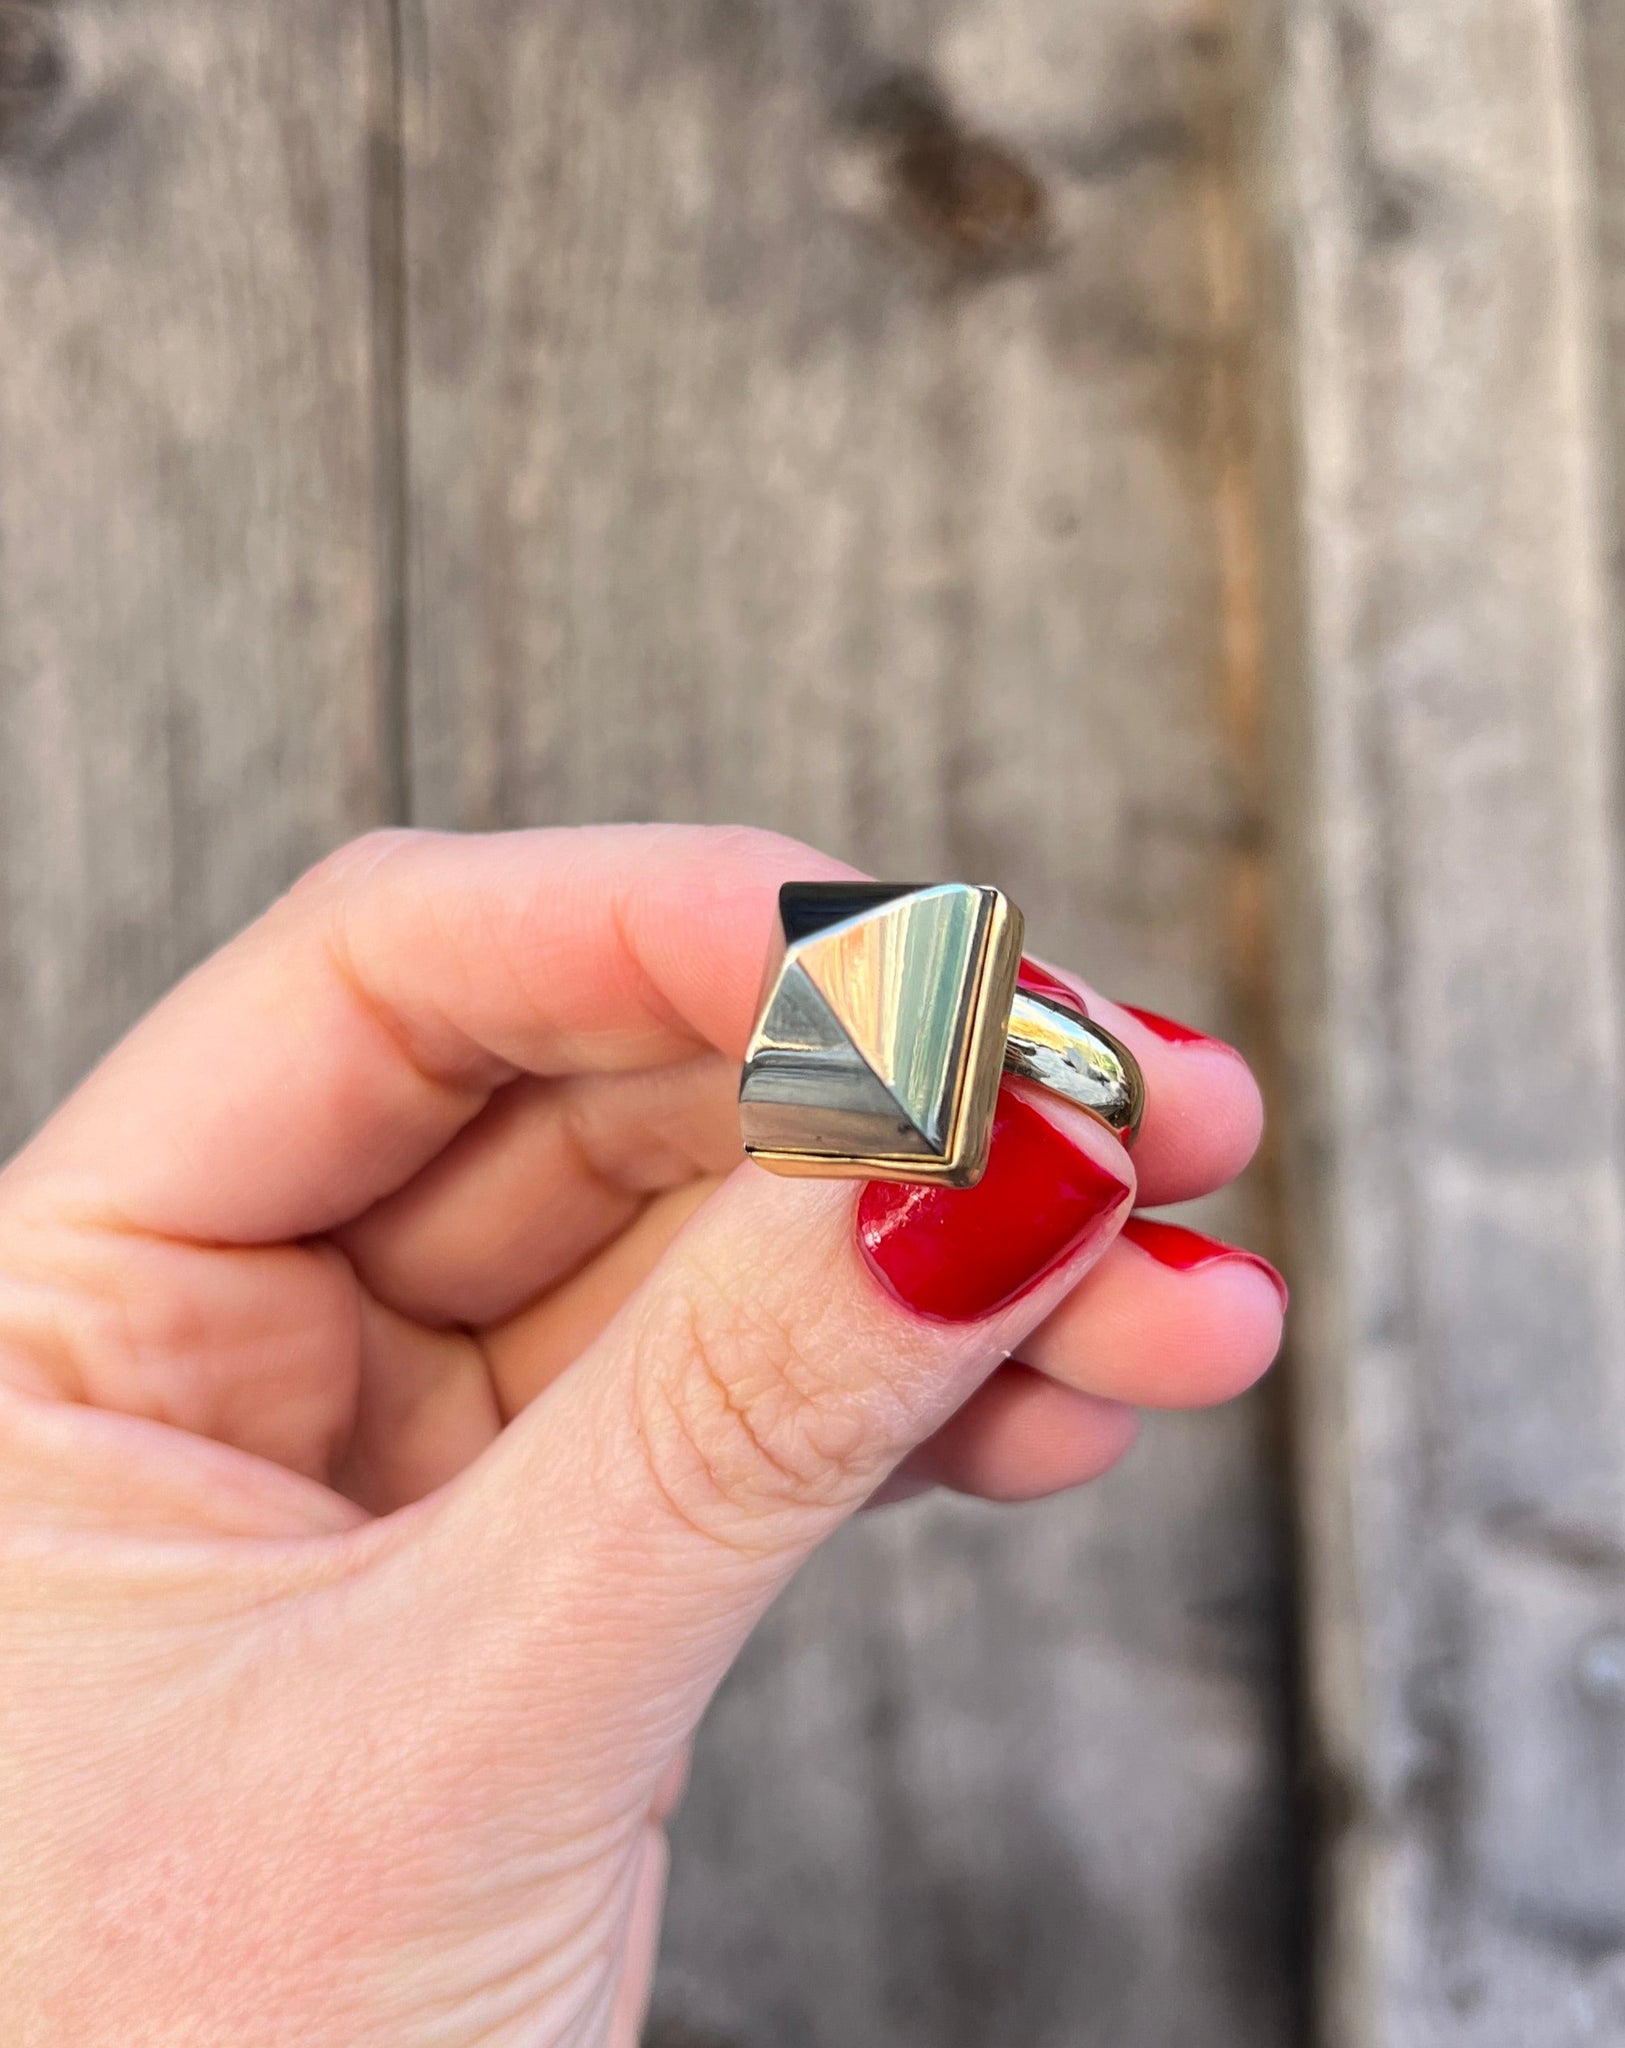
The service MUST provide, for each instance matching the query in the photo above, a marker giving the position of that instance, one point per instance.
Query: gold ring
(889, 1013)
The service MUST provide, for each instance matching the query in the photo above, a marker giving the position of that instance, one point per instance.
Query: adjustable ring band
(1061, 1049)
(888, 1016)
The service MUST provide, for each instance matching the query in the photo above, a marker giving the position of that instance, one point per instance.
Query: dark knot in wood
(970, 199)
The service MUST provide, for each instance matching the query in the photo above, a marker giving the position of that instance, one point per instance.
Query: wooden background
(1162, 455)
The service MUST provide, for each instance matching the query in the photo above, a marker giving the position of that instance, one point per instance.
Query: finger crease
(649, 992)
(491, 1070)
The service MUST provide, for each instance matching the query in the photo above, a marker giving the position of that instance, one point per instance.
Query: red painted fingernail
(956, 1254)
(1170, 1244)
(1040, 982)
(1175, 1033)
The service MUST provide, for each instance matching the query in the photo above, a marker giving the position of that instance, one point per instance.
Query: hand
(408, 1404)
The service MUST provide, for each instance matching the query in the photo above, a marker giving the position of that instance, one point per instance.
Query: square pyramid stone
(881, 1033)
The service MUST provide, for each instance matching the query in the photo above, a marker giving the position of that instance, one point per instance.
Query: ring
(888, 1015)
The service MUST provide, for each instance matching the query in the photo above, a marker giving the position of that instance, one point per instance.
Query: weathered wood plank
(1449, 824)
(824, 415)
(1600, 29)
(192, 694)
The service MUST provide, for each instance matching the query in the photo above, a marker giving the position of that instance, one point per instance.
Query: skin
(408, 1405)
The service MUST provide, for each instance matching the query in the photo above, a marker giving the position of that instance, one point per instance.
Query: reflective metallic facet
(1062, 1050)
(882, 1032)
(903, 981)
(888, 1016)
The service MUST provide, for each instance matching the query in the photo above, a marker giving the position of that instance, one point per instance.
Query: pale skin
(408, 1404)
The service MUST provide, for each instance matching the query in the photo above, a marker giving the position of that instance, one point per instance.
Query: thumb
(593, 1576)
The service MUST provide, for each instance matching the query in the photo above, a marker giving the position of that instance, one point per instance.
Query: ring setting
(889, 1014)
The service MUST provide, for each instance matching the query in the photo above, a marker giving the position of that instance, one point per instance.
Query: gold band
(1061, 1049)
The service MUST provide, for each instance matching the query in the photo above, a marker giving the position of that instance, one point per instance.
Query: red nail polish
(1170, 1244)
(956, 1254)
(1175, 1033)
(1039, 981)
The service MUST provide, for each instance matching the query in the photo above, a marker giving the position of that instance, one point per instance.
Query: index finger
(322, 1057)
(320, 1060)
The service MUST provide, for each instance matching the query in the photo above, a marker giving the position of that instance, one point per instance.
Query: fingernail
(1175, 1033)
(1039, 981)
(1170, 1244)
(957, 1254)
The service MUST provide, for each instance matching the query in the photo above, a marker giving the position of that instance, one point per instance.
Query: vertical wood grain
(831, 415)
(1446, 656)
(1600, 43)
(825, 415)
(193, 685)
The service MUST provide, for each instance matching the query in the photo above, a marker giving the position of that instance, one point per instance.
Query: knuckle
(741, 1429)
(349, 865)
